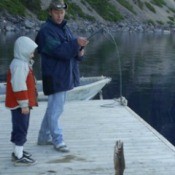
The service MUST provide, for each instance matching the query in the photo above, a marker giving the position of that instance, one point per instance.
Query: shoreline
(18, 24)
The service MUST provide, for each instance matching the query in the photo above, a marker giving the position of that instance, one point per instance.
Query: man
(60, 53)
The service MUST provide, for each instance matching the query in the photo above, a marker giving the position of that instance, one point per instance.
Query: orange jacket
(30, 94)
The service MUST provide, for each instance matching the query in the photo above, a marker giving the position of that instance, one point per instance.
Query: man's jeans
(50, 127)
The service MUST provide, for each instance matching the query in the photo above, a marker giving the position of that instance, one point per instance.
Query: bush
(150, 22)
(42, 15)
(171, 9)
(171, 23)
(13, 6)
(33, 5)
(150, 7)
(126, 5)
(140, 4)
(75, 11)
(160, 22)
(105, 10)
(171, 18)
(159, 3)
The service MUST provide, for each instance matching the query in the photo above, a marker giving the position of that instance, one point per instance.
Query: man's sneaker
(48, 142)
(24, 161)
(25, 154)
(61, 147)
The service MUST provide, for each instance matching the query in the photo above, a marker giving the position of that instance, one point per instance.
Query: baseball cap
(57, 5)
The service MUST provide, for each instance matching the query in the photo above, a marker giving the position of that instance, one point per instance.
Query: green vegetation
(171, 18)
(18, 7)
(42, 15)
(103, 7)
(15, 7)
(87, 5)
(75, 11)
(105, 10)
(160, 22)
(167, 11)
(127, 5)
(159, 3)
(150, 22)
(170, 23)
(171, 9)
(150, 7)
(35, 6)
(140, 4)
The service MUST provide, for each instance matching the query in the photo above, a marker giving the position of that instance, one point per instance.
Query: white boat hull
(90, 86)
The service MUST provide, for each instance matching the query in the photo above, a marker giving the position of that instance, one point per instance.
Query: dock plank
(91, 129)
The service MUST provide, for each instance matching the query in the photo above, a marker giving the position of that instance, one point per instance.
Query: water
(148, 72)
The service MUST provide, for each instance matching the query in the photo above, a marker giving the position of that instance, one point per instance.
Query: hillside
(154, 12)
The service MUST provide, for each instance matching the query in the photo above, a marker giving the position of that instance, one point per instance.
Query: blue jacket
(59, 57)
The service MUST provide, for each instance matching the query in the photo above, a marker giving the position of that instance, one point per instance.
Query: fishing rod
(93, 34)
(96, 32)
(123, 101)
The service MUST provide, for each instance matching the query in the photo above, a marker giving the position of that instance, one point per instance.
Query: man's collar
(64, 22)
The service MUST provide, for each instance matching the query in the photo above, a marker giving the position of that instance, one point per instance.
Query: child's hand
(25, 110)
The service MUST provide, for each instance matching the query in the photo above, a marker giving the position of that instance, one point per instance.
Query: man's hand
(82, 41)
(25, 110)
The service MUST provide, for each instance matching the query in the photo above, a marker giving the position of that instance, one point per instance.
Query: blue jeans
(50, 127)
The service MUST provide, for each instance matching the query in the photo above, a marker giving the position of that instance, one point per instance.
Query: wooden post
(119, 160)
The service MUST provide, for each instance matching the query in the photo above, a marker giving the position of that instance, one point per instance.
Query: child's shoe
(24, 161)
(25, 153)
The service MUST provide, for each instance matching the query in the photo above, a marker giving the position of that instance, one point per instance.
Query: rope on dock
(122, 101)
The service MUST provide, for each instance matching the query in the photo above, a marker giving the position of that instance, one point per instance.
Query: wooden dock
(91, 129)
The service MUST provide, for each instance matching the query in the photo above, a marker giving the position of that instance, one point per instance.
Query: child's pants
(20, 124)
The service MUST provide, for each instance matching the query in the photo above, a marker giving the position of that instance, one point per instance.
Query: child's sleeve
(19, 86)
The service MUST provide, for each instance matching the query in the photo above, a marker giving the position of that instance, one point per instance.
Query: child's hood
(24, 47)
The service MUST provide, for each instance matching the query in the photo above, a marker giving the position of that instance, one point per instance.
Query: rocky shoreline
(16, 24)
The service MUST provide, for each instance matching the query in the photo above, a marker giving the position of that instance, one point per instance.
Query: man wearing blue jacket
(60, 55)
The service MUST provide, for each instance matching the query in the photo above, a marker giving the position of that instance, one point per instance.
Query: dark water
(148, 72)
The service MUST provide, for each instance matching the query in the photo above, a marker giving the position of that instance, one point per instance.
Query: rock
(9, 28)
(80, 26)
(45, 4)
(29, 24)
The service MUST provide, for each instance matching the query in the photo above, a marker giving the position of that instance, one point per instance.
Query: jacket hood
(23, 48)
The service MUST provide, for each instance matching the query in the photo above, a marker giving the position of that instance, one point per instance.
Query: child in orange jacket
(21, 96)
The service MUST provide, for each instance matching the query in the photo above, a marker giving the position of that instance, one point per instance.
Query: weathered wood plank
(91, 131)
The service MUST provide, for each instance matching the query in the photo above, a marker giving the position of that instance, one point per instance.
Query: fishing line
(119, 61)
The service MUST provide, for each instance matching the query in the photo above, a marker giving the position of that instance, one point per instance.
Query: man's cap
(58, 5)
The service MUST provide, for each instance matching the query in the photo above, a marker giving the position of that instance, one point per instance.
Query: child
(21, 96)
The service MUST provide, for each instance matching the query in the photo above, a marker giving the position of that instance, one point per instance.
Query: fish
(119, 159)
